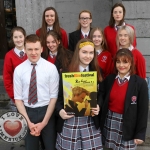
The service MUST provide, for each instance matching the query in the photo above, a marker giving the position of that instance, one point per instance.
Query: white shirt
(52, 55)
(127, 76)
(17, 51)
(98, 51)
(81, 69)
(49, 28)
(47, 82)
(130, 47)
(118, 27)
(85, 33)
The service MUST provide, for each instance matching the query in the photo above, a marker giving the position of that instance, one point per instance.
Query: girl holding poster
(80, 132)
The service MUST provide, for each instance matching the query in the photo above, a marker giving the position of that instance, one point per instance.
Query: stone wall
(29, 13)
(138, 15)
(68, 11)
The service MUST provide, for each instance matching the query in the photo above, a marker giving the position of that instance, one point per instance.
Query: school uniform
(11, 61)
(105, 61)
(110, 35)
(54, 60)
(47, 80)
(124, 112)
(64, 37)
(74, 38)
(77, 132)
(139, 61)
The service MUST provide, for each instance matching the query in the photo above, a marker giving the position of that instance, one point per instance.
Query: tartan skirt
(79, 133)
(112, 133)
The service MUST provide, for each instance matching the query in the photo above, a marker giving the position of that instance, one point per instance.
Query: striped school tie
(32, 99)
(21, 54)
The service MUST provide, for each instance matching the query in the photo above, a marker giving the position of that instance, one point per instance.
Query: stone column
(116, 1)
(29, 13)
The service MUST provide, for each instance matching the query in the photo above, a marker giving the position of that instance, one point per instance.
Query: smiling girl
(83, 29)
(116, 21)
(12, 59)
(50, 21)
(124, 39)
(103, 55)
(82, 132)
(125, 109)
(55, 52)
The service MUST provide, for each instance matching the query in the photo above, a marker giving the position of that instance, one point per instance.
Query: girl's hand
(138, 141)
(95, 111)
(64, 115)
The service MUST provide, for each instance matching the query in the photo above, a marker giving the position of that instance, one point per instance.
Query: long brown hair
(112, 20)
(127, 56)
(84, 11)
(75, 62)
(63, 55)
(103, 44)
(56, 26)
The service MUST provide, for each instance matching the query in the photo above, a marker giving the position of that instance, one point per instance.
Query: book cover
(80, 92)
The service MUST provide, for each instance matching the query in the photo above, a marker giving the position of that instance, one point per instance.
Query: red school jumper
(110, 35)
(63, 37)
(11, 61)
(105, 62)
(50, 59)
(140, 64)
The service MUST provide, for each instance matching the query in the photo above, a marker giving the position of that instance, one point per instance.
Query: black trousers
(48, 133)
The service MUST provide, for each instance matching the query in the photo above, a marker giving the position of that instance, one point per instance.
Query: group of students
(120, 119)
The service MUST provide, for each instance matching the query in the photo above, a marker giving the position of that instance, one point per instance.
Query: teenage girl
(125, 38)
(125, 109)
(82, 132)
(103, 55)
(55, 52)
(50, 21)
(12, 59)
(115, 22)
(83, 29)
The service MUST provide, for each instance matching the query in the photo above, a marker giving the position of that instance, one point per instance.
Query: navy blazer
(60, 105)
(74, 37)
(135, 113)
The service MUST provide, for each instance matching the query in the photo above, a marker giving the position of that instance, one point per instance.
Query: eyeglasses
(82, 18)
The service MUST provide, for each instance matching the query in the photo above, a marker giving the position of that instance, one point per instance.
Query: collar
(17, 51)
(85, 33)
(98, 51)
(38, 62)
(52, 55)
(130, 47)
(118, 27)
(49, 28)
(127, 76)
(81, 68)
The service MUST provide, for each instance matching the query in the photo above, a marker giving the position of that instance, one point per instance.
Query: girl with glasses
(83, 29)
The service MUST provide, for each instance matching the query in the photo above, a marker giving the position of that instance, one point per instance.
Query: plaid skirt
(112, 133)
(79, 133)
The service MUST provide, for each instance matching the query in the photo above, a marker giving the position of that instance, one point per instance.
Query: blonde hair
(79, 90)
(103, 44)
(130, 33)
